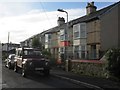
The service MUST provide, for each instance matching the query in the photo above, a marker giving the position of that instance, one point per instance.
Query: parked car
(10, 61)
(31, 60)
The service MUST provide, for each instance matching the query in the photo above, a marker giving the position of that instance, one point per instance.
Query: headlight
(9, 60)
(30, 63)
(46, 63)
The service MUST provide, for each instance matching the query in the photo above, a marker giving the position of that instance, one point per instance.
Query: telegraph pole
(8, 43)
(66, 34)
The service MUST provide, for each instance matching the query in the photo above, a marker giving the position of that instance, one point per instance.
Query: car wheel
(9, 65)
(15, 67)
(46, 72)
(6, 65)
(24, 71)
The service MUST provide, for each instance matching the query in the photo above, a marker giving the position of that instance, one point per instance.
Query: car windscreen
(32, 53)
(13, 57)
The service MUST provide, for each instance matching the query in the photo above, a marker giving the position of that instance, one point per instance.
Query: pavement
(88, 81)
(0, 66)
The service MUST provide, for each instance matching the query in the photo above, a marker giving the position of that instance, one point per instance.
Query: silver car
(10, 61)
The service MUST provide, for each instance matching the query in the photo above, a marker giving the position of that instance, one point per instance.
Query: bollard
(68, 65)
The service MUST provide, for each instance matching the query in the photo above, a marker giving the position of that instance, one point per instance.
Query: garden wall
(89, 67)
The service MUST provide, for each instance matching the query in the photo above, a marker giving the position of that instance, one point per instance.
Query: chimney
(90, 8)
(60, 21)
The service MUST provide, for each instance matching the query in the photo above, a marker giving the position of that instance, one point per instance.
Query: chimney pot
(90, 8)
(60, 21)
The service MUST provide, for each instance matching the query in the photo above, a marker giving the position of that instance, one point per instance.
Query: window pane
(46, 37)
(82, 48)
(62, 37)
(83, 34)
(62, 32)
(76, 34)
(49, 36)
(76, 29)
(76, 48)
(61, 49)
(82, 30)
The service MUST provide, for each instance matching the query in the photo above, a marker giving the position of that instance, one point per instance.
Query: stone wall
(89, 67)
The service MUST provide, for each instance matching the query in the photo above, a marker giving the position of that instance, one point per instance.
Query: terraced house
(55, 40)
(88, 36)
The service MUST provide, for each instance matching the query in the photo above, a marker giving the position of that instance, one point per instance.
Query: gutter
(87, 85)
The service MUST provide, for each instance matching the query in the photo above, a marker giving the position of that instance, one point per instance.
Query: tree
(36, 43)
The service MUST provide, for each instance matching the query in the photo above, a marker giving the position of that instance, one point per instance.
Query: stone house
(102, 29)
(88, 37)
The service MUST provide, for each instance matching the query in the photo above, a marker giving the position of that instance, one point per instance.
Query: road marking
(80, 82)
(3, 85)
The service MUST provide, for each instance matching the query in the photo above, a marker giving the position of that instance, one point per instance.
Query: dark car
(31, 60)
(10, 61)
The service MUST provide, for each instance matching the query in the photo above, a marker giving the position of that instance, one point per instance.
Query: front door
(93, 51)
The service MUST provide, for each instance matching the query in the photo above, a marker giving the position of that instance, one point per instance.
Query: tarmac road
(11, 79)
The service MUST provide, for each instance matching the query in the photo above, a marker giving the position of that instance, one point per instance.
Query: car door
(19, 59)
(12, 58)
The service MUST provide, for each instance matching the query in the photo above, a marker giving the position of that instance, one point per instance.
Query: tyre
(47, 72)
(5, 65)
(9, 65)
(15, 67)
(24, 72)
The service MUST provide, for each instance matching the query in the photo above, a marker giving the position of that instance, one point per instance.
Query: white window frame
(47, 39)
(62, 34)
(76, 28)
(81, 36)
(62, 50)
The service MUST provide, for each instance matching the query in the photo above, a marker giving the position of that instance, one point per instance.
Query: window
(62, 50)
(76, 52)
(82, 48)
(82, 30)
(19, 53)
(76, 29)
(47, 37)
(32, 52)
(76, 48)
(83, 51)
(62, 37)
(76, 34)
(62, 34)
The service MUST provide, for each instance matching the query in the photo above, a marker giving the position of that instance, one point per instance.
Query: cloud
(13, 8)
(24, 25)
(58, 0)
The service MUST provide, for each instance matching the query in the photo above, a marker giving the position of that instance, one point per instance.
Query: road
(11, 79)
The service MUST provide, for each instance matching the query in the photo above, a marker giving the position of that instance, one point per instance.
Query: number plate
(39, 68)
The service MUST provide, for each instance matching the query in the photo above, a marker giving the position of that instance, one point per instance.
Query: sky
(25, 19)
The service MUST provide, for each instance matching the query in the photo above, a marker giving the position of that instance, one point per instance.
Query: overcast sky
(25, 19)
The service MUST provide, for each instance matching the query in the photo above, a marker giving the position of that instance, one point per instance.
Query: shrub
(50, 57)
(113, 58)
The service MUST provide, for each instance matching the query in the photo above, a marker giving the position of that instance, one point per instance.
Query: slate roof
(55, 29)
(86, 18)
(94, 15)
